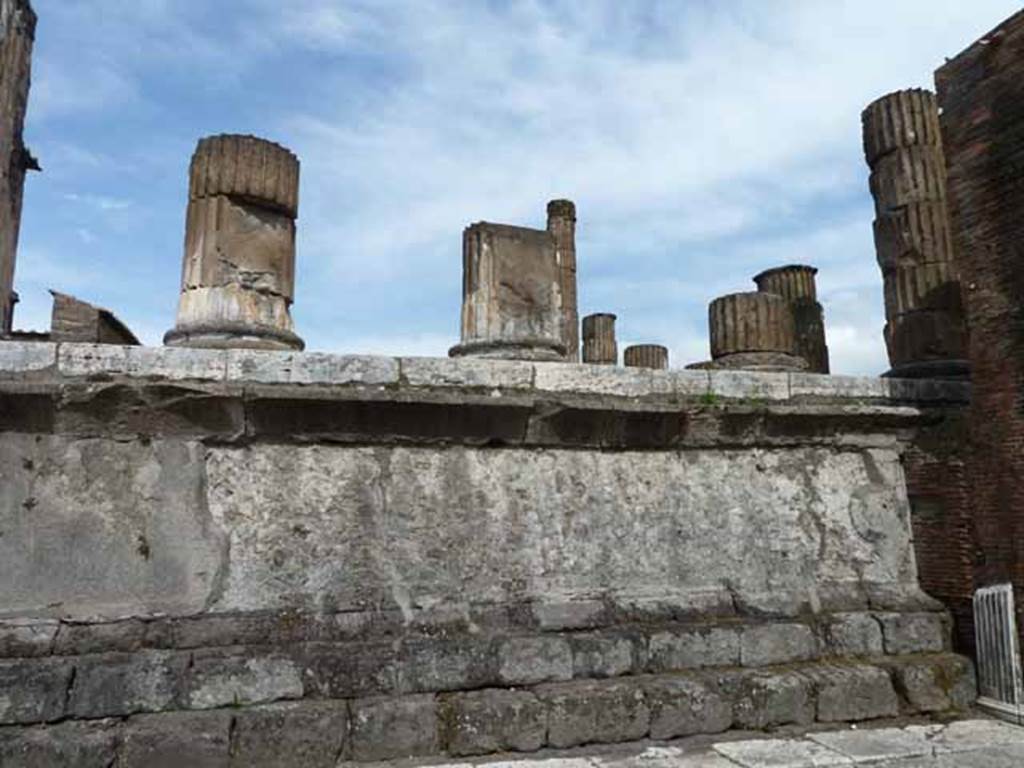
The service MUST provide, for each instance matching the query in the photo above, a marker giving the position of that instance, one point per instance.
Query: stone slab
(781, 753)
(266, 367)
(866, 745)
(164, 363)
(745, 385)
(466, 372)
(18, 358)
(817, 385)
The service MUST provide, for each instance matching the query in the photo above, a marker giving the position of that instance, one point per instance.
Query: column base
(233, 336)
(754, 361)
(537, 350)
(931, 369)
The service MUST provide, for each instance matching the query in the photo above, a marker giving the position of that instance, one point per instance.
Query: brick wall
(981, 93)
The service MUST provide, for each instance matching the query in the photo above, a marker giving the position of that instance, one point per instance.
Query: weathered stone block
(229, 678)
(693, 649)
(33, 690)
(849, 694)
(310, 735)
(853, 634)
(816, 385)
(388, 729)
(682, 707)
(594, 713)
(936, 683)
(108, 637)
(275, 367)
(766, 699)
(18, 358)
(466, 372)
(761, 646)
(176, 739)
(529, 660)
(607, 655)
(602, 380)
(105, 360)
(483, 722)
(915, 632)
(27, 638)
(445, 664)
(744, 385)
(67, 745)
(113, 528)
(127, 684)
(343, 671)
(581, 614)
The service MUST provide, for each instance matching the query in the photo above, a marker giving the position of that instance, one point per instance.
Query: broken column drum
(652, 356)
(562, 226)
(753, 331)
(512, 303)
(239, 270)
(599, 344)
(795, 283)
(925, 331)
(17, 34)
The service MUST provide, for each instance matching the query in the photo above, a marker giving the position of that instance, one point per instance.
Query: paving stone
(781, 753)
(307, 734)
(907, 633)
(694, 649)
(968, 735)
(484, 722)
(75, 745)
(661, 757)
(853, 634)
(33, 691)
(267, 367)
(175, 740)
(593, 713)
(879, 744)
(528, 660)
(769, 644)
(127, 684)
(224, 679)
(393, 728)
(682, 707)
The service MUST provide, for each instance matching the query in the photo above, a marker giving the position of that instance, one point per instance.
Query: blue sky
(702, 140)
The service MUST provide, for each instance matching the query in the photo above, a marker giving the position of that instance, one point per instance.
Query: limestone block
(849, 694)
(767, 699)
(18, 358)
(598, 656)
(524, 661)
(482, 722)
(270, 367)
(176, 739)
(694, 649)
(96, 528)
(450, 664)
(751, 322)
(512, 294)
(390, 729)
(768, 644)
(915, 632)
(105, 360)
(816, 385)
(466, 372)
(33, 691)
(681, 707)
(899, 120)
(752, 385)
(595, 713)
(223, 679)
(853, 634)
(599, 345)
(936, 684)
(652, 356)
(606, 380)
(127, 684)
(82, 745)
(27, 638)
(307, 734)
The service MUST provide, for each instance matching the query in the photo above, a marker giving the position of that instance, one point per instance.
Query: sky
(702, 141)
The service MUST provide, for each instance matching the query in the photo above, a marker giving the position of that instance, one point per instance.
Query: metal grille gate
(999, 665)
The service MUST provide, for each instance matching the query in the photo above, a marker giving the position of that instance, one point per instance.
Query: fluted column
(796, 284)
(599, 344)
(17, 35)
(562, 226)
(238, 277)
(652, 356)
(925, 331)
(753, 331)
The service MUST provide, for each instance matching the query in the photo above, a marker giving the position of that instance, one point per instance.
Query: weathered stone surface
(761, 362)
(595, 713)
(853, 693)
(935, 683)
(682, 707)
(127, 684)
(270, 367)
(599, 345)
(483, 722)
(238, 278)
(513, 306)
(71, 745)
(651, 356)
(853, 634)
(466, 372)
(604, 655)
(97, 528)
(513, 525)
(527, 660)
(899, 120)
(21, 358)
(27, 638)
(765, 699)
(606, 380)
(777, 644)
(744, 385)
(33, 690)
(915, 632)
(876, 745)
(104, 360)
(694, 649)
(780, 753)
(389, 729)
(176, 739)
(222, 678)
(310, 735)
(751, 322)
(796, 284)
(913, 175)
(562, 226)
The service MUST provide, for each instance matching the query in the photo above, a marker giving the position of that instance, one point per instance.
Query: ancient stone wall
(217, 553)
(981, 93)
(17, 33)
